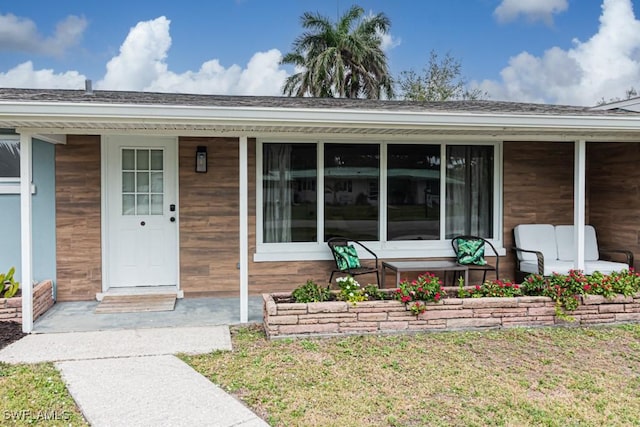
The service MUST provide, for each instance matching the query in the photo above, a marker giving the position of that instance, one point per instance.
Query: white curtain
(469, 191)
(278, 193)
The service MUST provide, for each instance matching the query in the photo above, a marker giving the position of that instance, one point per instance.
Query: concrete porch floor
(81, 316)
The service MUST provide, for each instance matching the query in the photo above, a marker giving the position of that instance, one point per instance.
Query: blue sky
(559, 51)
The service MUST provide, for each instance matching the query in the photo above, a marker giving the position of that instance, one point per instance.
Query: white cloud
(389, 42)
(20, 34)
(141, 65)
(532, 10)
(604, 66)
(24, 76)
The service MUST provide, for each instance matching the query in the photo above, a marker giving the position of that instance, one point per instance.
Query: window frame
(10, 185)
(390, 249)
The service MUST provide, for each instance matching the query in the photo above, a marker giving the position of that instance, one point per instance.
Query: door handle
(142, 223)
(172, 219)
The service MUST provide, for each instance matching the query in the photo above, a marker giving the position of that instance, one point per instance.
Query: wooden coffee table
(422, 266)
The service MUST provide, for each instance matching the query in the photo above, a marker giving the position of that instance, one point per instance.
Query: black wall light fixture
(201, 159)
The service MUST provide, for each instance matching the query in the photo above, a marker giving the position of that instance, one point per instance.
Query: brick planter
(11, 308)
(374, 317)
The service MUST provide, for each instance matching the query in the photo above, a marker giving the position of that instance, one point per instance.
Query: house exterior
(231, 196)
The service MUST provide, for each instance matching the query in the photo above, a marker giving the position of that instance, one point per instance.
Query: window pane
(351, 185)
(9, 159)
(128, 160)
(142, 184)
(289, 192)
(413, 197)
(156, 160)
(157, 182)
(142, 204)
(469, 206)
(156, 204)
(128, 204)
(128, 182)
(142, 160)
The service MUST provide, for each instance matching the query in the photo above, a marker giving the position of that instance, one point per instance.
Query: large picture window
(289, 183)
(413, 192)
(392, 194)
(351, 185)
(469, 190)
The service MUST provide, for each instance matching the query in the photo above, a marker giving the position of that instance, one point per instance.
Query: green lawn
(36, 395)
(517, 377)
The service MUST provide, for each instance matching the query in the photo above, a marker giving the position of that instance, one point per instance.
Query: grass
(36, 395)
(517, 377)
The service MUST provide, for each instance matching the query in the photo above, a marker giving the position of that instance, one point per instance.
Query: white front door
(141, 207)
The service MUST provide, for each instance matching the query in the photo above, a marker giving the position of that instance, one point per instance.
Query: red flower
(406, 299)
(586, 288)
(436, 296)
(477, 287)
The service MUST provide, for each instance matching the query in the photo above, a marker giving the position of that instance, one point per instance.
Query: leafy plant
(373, 293)
(426, 288)
(310, 292)
(534, 284)
(565, 290)
(625, 282)
(8, 286)
(350, 290)
(496, 288)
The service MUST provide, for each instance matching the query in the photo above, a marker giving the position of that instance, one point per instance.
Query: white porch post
(244, 231)
(579, 201)
(26, 240)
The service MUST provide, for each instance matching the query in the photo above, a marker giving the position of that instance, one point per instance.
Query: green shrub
(8, 286)
(310, 292)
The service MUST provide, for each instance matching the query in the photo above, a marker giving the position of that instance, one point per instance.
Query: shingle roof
(177, 99)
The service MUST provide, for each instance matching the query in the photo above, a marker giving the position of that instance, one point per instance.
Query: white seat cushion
(604, 267)
(536, 237)
(550, 267)
(566, 250)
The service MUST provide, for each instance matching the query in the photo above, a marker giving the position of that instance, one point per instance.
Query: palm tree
(341, 60)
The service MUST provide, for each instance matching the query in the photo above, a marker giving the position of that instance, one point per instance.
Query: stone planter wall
(11, 308)
(372, 317)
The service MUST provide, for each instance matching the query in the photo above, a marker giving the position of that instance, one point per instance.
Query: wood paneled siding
(614, 194)
(78, 240)
(538, 189)
(208, 211)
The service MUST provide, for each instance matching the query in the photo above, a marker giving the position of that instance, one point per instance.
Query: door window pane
(142, 184)
(142, 204)
(157, 182)
(413, 195)
(128, 204)
(156, 160)
(128, 182)
(128, 160)
(469, 208)
(142, 160)
(351, 186)
(289, 191)
(156, 204)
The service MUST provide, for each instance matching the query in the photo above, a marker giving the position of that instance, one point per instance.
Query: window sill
(284, 252)
(14, 188)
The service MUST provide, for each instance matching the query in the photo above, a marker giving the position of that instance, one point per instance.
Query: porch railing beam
(579, 201)
(244, 230)
(26, 235)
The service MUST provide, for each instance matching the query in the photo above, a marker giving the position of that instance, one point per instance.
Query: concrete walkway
(130, 377)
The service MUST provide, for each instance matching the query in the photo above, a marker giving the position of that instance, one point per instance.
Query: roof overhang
(56, 118)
